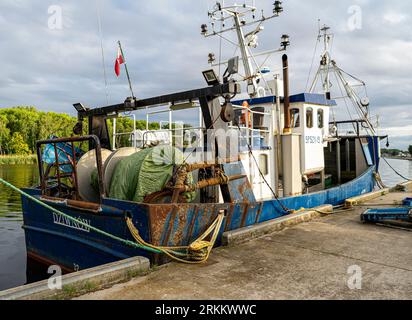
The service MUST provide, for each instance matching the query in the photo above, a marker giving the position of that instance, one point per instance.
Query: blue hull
(53, 240)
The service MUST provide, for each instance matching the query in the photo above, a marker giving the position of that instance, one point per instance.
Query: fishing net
(145, 173)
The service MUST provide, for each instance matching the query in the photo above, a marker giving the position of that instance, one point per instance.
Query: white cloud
(394, 17)
(405, 131)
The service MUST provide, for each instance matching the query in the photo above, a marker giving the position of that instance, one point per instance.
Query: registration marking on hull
(63, 221)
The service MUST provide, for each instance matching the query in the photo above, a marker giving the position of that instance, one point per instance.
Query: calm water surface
(13, 262)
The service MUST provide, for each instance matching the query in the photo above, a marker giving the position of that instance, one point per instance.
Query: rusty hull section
(181, 224)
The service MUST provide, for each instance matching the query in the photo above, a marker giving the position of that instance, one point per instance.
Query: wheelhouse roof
(312, 98)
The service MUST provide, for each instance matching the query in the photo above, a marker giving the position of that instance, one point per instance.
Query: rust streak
(168, 228)
(192, 224)
(229, 217)
(244, 216)
(182, 219)
(259, 213)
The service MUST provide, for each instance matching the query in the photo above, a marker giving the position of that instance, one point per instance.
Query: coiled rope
(196, 253)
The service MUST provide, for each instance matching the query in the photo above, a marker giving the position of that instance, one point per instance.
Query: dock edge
(239, 236)
(82, 282)
(350, 203)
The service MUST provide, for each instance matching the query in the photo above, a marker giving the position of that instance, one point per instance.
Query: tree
(410, 150)
(4, 134)
(18, 146)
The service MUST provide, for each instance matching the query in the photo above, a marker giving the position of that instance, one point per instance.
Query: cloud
(165, 52)
(394, 17)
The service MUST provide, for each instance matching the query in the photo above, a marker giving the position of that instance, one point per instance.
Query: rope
(313, 61)
(394, 170)
(199, 251)
(196, 253)
(379, 180)
(126, 242)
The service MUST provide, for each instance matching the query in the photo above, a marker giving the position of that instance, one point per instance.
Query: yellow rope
(196, 253)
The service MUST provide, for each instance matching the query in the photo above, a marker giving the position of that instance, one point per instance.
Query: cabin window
(295, 118)
(309, 118)
(264, 164)
(320, 119)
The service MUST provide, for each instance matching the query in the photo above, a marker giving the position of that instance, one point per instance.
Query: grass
(18, 159)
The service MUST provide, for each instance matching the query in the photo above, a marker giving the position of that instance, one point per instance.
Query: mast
(240, 17)
(329, 67)
(324, 68)
(246, 57)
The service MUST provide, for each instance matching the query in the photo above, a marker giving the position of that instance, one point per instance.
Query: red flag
(119, 61)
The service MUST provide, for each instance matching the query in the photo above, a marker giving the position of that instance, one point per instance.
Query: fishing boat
(258, 154)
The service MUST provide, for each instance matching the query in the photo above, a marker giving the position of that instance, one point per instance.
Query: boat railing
(63, 182)
(122, 134)
(349, 127)
(253, 133)
(178, 134)
(177, 140)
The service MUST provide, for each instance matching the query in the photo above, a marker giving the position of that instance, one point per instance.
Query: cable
(99, 21)
(287, 210)
(394, 170)
(313, 61)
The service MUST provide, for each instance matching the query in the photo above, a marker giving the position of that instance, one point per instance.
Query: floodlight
(233, 65)
(80, 107)
(211, 77)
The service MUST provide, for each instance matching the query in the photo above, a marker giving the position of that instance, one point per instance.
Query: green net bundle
(145, 173)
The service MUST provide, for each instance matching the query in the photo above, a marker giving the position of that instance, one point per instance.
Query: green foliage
(125, 125)
(4, 133)
(391, 152)
(410, 150)
(18, 160)
(17, 145)
(22, 127)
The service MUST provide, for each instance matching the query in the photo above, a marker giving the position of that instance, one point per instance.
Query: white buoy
(85, 167)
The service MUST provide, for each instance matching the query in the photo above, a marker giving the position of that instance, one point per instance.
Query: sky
(52, 64)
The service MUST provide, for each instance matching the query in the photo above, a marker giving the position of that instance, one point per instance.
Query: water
(391, 179)
(15, 270)
(13, 261)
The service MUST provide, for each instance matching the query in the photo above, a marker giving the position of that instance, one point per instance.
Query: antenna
(99, 21)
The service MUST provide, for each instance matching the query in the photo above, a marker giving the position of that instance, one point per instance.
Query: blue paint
(407, 202)
(374, 146)
(367, 153)
(73, 248)
(380, 215)
(311, 98)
